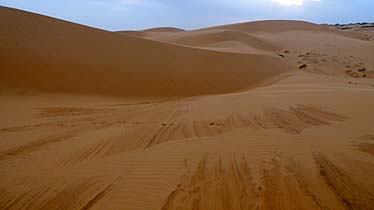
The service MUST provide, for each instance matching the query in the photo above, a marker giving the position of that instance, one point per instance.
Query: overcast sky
(193, 14)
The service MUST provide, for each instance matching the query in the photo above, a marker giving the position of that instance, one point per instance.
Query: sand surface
(261, 115)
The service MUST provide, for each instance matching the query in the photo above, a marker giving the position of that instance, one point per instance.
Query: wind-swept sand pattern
(262, 115)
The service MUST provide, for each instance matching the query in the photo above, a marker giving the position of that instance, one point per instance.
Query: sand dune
(268, 115)
(275, 26)
(164, 29)
(275, 37)
(42, 54)
(160, 31)
(222, 40)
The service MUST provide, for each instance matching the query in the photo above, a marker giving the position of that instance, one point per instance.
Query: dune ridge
(164, 29)
(43, 54)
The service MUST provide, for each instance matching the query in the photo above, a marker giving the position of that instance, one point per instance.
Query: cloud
(292, 2)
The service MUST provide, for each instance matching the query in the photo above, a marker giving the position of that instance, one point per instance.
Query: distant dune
(141, 34)
(275, 37)
(274, 26)
(164, 29)
(151, 32)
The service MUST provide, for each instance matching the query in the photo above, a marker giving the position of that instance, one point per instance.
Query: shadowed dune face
(253, 116)
(47, 55)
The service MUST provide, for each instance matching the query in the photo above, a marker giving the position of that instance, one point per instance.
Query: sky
(116, 15)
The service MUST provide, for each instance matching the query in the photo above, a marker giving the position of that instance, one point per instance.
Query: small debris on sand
(303, 66)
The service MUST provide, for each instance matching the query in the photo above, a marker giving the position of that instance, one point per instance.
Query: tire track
(293, 120)
(352, 194)
(284, 188)
(44, 142)
(222, 186)
(79, 194)
(180, 125)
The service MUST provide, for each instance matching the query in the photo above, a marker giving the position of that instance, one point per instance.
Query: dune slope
(151, 32)
(43, 54)
(321, 48)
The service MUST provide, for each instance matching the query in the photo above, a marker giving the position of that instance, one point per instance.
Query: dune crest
(42, 54)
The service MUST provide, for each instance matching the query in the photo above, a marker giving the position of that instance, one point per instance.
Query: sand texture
(266, 115)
